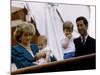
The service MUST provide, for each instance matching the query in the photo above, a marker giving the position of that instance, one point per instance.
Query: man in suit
(83, 44)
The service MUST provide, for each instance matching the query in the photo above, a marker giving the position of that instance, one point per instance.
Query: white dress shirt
(85, 38)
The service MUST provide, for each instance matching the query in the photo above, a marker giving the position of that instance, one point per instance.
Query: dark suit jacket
(87, 48)
(22, 58)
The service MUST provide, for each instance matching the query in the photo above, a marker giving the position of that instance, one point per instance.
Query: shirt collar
(85, 38)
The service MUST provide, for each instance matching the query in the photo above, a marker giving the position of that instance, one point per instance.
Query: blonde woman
(24, 53)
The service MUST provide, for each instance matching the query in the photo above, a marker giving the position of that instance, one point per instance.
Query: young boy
(47, 55)
(67, 42)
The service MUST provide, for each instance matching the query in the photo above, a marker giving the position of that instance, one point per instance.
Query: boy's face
(68, 30)
(41, 44)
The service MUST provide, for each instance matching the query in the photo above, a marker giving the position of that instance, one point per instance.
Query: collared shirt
(85, 38)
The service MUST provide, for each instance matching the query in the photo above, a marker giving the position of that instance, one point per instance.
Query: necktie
(83, 38)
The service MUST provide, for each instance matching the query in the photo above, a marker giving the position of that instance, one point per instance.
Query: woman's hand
(40, 54)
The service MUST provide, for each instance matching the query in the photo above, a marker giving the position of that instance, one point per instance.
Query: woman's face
(26, 38)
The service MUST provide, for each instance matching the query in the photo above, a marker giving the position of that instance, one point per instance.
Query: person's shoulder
(34, 46)
(76, 39)
(17, 48)
(92, 39)
(63, 37)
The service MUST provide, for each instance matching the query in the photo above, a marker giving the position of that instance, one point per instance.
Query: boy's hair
(66, 24)
(23, 27)
(41, 37)
(84, 20)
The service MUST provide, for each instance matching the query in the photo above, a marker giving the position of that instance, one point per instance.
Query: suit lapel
(80, 41)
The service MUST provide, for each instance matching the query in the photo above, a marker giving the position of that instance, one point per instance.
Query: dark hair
(42, 37)
(84, 20)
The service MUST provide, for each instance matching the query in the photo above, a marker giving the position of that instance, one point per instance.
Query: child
(67, 42)
(46, 52)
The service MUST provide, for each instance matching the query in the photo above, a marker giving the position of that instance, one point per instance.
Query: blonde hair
(22, 28)
(43, 38)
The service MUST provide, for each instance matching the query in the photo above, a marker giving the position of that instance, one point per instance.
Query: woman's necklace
(28, 47)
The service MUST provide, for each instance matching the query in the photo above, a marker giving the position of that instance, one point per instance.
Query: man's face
(82, 28)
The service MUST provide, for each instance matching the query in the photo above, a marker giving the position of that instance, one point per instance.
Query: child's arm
(47, 55)
(64, 43)
(41, 54)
